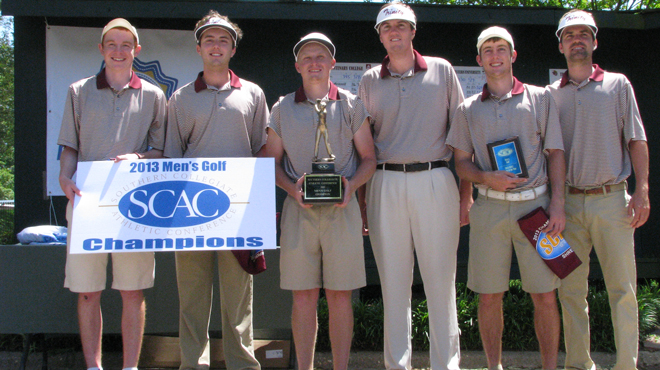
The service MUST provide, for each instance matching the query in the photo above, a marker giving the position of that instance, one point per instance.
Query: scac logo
(505, 152)
(551, 247)
(174, 204)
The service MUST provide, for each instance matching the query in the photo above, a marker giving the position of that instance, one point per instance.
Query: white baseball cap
(396, 11)
(215, 22)
(318, 38)
(577, 18)
(120, 23)
(493, 32)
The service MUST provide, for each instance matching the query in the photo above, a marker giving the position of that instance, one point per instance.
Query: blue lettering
(158, 243)
(111, 244)
(236, 242)
(92, 244)
(255, 241)
(215, 242)
(182, 243)
(133, 244)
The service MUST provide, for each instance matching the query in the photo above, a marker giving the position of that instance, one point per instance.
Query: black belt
(411, 167)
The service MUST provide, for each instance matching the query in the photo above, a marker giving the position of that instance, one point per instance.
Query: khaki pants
(416, 213)
(194, 272)
(601, 221)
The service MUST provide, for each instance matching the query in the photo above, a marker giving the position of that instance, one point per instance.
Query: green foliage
(518, 309)
(6, 110)
(368, 331)
(648, 300)
(616, 5)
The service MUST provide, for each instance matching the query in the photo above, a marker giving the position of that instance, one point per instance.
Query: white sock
(94, 368)
(130, 368)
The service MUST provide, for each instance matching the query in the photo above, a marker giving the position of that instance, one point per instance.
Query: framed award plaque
(506, 155)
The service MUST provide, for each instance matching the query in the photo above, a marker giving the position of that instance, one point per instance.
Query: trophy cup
(323, 185)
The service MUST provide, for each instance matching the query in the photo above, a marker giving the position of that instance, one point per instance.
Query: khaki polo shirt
(101, 123)
(411, 113)
(294, 120)
(208, 122)
(527, 111)
(598, 117)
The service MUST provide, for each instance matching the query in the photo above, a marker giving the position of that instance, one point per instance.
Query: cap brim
(302, 43)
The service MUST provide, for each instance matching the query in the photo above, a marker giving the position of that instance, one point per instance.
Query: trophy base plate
(323, 188)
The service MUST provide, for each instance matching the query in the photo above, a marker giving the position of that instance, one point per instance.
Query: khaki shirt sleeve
(70, 128)
(459, 136)
(158, 128)
(454, 93)
(175, 138)
(549, 123)
(633, 128)
(259, 122)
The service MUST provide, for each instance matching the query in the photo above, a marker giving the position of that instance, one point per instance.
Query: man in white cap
(604, 141)
(507, 108)
(217, 115)
(412, 199)
(322, 245)
(113, 115)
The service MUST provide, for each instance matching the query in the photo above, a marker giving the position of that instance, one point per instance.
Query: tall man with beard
(604, 140)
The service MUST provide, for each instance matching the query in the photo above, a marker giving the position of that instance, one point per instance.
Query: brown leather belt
(411, 167)
(605, 189)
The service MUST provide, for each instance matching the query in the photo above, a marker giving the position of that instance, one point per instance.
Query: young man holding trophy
(323, 150)
(501, 138)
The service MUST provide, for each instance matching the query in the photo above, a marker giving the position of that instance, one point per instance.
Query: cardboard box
(163, 352)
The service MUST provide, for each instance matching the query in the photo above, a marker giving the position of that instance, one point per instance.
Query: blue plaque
(506, 155)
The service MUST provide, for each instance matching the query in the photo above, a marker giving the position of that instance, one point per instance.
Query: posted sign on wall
(162, 205)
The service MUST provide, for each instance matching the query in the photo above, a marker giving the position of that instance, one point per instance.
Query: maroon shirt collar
(102, 81)
(597, 76)
(518, 88)
(333, 94)
(200, 85)
(420, 65)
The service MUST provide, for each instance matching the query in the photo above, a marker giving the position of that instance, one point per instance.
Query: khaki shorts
(493, 230)
(86, 273)
(321, 247)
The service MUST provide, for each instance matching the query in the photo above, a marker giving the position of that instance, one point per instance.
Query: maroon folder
(555, 252)
(252, 261)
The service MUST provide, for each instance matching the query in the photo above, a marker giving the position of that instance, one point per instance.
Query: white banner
(168, 59)
(174, 205)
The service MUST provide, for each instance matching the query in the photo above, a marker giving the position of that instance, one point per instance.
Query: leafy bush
(519, 334)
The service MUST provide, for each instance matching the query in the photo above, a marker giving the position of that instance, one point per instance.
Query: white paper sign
(555, 74)
(161, 205)
(348, 75)
(472, 79)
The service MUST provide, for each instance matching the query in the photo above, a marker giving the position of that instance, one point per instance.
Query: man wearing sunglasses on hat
(217, 115)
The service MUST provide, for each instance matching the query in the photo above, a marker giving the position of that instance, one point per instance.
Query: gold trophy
(323, 185)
